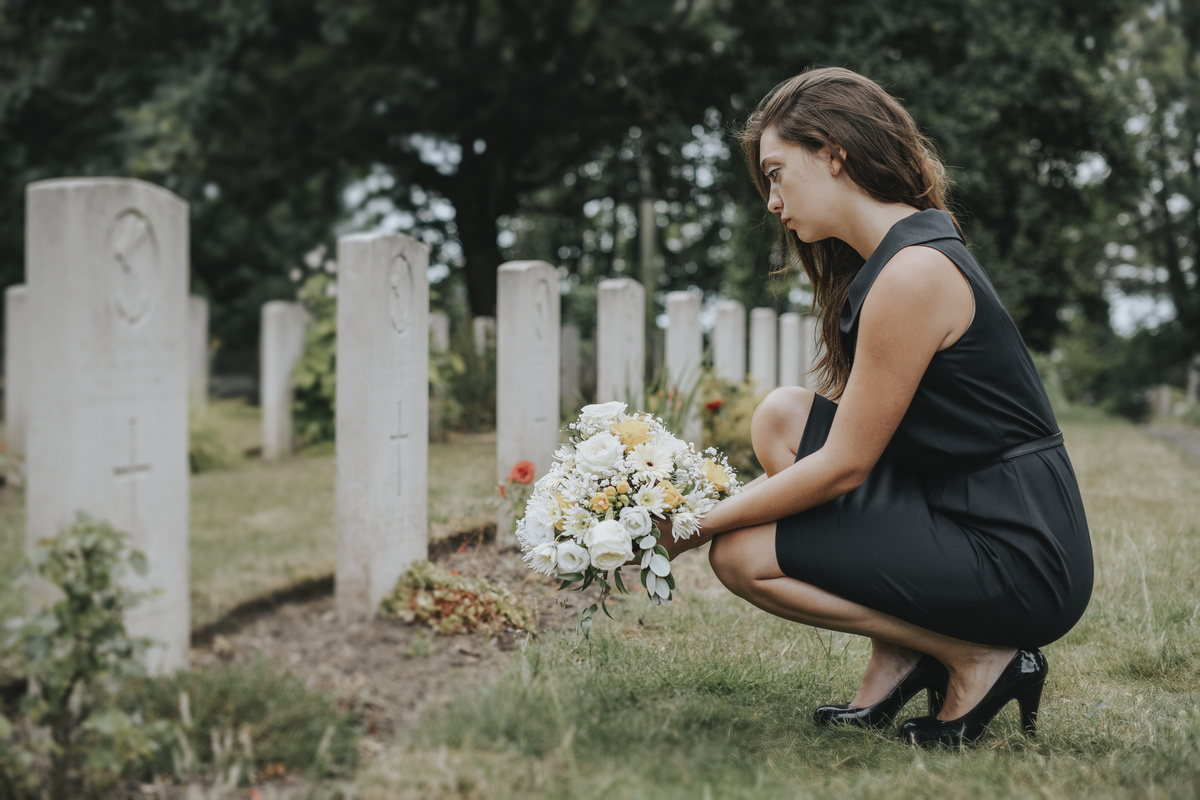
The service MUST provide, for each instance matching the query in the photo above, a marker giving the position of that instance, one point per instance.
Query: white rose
(599, 453)
(572, 558)
(603, 414)
(636, 521)
(543, 558)
(609, 546)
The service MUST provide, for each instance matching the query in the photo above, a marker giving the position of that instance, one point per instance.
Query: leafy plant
(314, 377)
(207, 451)
(75, 650)
(450, 604)
(726, 414)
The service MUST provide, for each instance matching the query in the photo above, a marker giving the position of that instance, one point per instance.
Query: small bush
(314, 378)
(207, 451)
(726, 413)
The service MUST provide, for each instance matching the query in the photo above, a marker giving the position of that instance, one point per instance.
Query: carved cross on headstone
(131, 471)
(400, 437)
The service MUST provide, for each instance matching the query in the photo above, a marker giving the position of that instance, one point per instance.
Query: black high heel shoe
(1022, 680)
(928, 674)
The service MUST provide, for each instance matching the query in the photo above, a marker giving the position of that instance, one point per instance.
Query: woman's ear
(837, 157)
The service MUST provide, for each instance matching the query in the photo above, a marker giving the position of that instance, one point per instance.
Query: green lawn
(710, 698)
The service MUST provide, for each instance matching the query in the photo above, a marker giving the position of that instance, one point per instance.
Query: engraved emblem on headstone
(134, 250)
(541, 308)
(402, 289)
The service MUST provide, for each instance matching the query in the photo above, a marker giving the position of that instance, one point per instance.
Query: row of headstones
(105, 336)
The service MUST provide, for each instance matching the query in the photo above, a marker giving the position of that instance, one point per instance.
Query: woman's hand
(667, 539)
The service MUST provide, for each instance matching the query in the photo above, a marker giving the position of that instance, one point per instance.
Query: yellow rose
(600, 502)
(623, 487)
(632, 431)
(671, 495)
(716, 475)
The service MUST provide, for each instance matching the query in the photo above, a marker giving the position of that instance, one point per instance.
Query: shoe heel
(1029, 700)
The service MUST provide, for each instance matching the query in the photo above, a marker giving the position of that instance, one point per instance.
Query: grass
(708, 697)
(259, 527)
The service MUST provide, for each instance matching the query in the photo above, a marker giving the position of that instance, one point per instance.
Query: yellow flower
(716, 475)
(600, 502)
(632, 431)
(622, 487)
(671, 495)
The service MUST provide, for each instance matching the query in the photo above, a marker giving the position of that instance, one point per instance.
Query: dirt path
(1184, 437)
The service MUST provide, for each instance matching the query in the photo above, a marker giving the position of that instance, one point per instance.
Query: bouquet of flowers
(594, 510)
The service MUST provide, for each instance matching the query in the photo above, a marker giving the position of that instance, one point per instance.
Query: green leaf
(662, 551)
(620, 583)
(571, 577)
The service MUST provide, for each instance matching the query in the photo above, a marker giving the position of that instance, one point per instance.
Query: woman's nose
(774, 201)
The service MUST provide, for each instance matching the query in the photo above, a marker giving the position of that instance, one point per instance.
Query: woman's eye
(773, 175)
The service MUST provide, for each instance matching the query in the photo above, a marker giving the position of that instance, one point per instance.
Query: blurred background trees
(596, 136)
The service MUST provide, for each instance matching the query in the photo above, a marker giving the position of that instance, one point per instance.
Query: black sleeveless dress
(971, 524)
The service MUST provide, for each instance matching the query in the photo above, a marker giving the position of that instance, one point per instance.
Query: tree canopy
(498, 129)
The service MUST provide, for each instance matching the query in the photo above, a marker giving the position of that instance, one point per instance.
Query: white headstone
(198, 350)
(791, 350)
(811, 352)
(484, 331)
(1160, 403)
(528, 311)
(762, 349)
(382, 416)
(571, 372)
(282, 344)
(620, 341)
(682, 353)
(439, 330)
(729, 341)
(107, 270)
(16, 380)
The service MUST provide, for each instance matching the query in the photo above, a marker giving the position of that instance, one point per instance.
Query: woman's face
(802, 185)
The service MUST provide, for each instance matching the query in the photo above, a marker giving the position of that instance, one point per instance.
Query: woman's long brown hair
(884, 154)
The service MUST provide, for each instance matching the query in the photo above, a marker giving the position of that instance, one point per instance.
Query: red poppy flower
(522, 472)
(714, 405)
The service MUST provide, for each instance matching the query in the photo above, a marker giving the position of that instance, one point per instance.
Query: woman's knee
(778, 424)
(736, 559)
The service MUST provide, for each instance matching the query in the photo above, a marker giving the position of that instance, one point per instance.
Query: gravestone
(16, 380)
(439, 331)
(484, 331)
(571, 368)
(762, 349)
(683, 351)
(1160, 403)
(811, 352)
(527, 366)
(729, 341)
(198, 351)
(620, 341)
(791, 350)
(382, 416)
(107, 271)
(282, 344)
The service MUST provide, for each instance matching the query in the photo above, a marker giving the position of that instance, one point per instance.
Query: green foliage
(449, 604)
(207, 450)
(74, 739)
(726, 413)
(247, 717)
(466, 383)
(314, 378)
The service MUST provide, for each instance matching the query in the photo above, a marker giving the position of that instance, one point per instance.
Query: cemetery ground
(704, 697)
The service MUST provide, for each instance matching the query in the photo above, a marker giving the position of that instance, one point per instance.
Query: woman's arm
(919, 304)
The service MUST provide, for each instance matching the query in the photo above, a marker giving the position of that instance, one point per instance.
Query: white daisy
(650, 462)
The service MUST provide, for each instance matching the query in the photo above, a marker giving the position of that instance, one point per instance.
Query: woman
(932, 507)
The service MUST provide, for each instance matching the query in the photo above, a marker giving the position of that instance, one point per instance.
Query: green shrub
(72, 740)
(315, 375)
(251, 718)
(207, 451)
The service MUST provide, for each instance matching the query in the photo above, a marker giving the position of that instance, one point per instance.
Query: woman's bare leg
(745, 562)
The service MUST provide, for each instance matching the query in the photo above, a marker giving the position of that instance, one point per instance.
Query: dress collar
(924, 226)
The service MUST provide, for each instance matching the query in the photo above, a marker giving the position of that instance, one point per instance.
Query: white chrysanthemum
(650, 462)
(572, 557)
(600, 453)
(578, 523)
(543, 558)
(698, 503)
(564, 455)
(535, 533)
(651, 499)
(636, 520)
(544, 508)
(683, 524)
